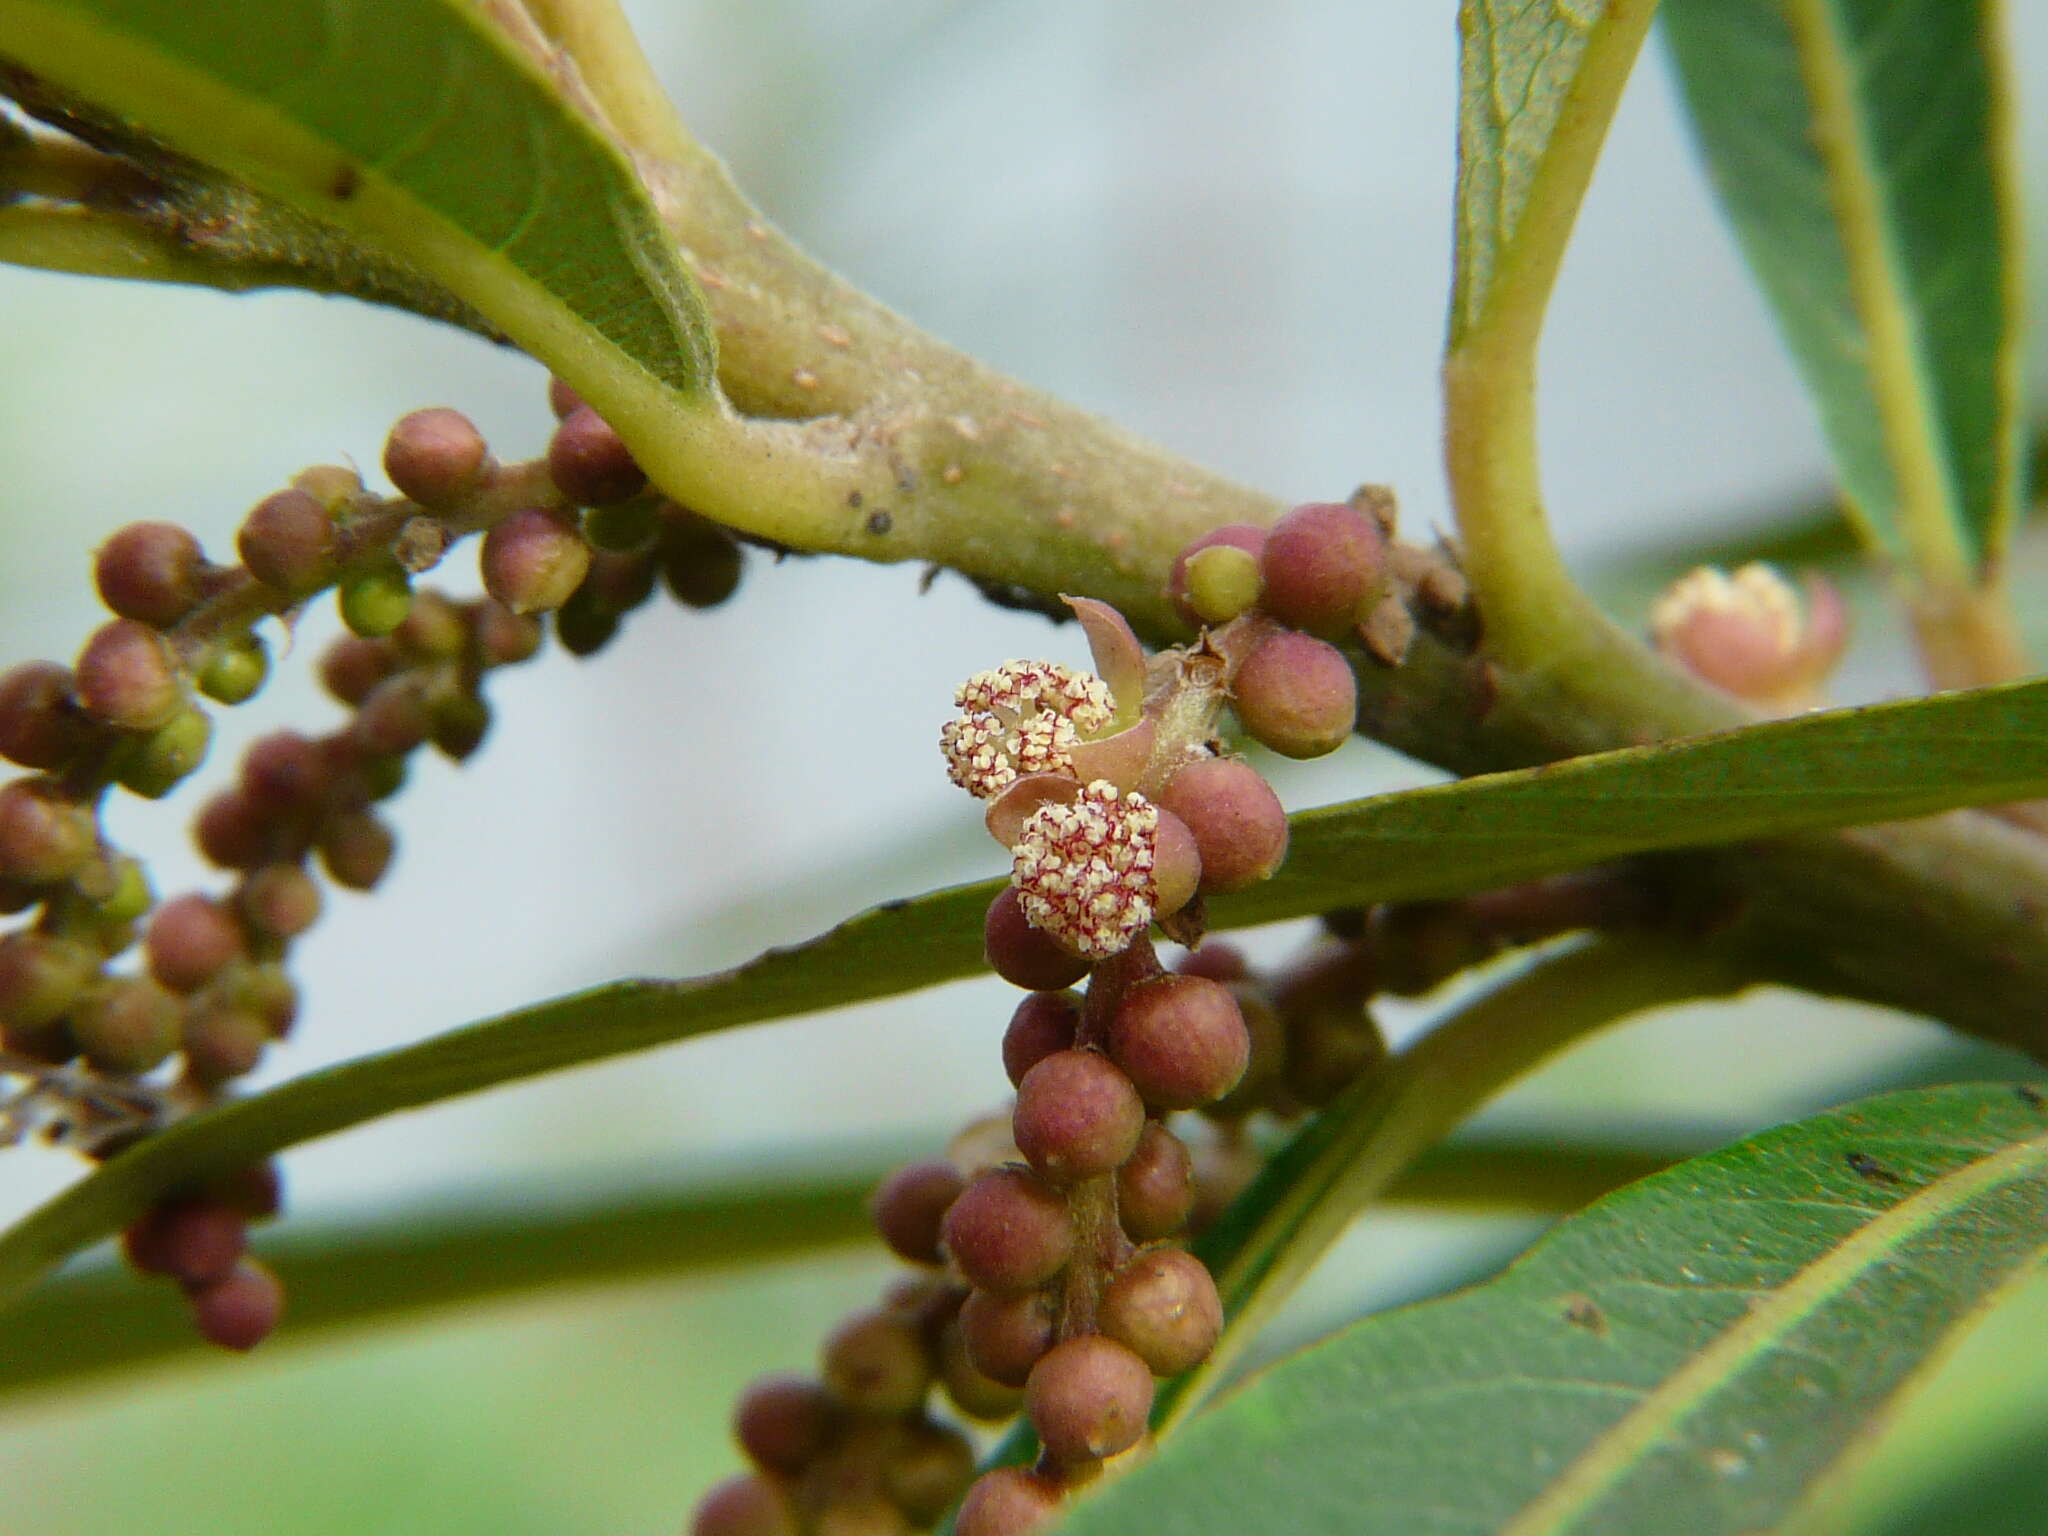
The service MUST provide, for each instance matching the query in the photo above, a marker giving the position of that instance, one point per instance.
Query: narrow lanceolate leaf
(1826, 770)
(1529, 72)
(418, 127)
(1693, 1353)
(1863, 152)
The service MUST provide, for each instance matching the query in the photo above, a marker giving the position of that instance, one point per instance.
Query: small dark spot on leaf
(1581, 1311)
(853, 498)
(1864, 1166)
(346, 183)
(879, 521)
(895, 904)
(2029, 1095)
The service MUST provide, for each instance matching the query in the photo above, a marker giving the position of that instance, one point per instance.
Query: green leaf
(1863, 152)
(1527, 141)
(419, 127)
(1835, 769)
(1712, 1341)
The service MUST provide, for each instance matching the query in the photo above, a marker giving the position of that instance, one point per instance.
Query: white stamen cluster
(1084, 870)
(1022, 717)
(1755, 594)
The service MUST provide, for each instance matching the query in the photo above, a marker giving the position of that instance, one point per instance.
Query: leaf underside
(1860, 151)
(1840, 768)
(1693, 1352)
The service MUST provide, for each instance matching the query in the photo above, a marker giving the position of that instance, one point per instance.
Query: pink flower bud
(1748, 635)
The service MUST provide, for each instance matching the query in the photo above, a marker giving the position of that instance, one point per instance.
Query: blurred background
(1225, 226)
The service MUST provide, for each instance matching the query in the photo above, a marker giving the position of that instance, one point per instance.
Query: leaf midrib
(1620, 1447)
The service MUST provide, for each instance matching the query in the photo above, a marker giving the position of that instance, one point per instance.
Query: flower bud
(240, 1311)
(1235, 535)
(504, 638)
(190, 938)
(287, 541)
(972, 1390)
(127, 1026)
(40, 977)
(39, 726)
(562, 400)
(150, 572)
(701, 564)
(435, 456)
(1155, 1188)
(233, 831)
(876, 1363)
(1296, 695)
(127, 677)
(394, 719)
(1182, 1039)
(534, 560)
(1042, 1024)
(167, 755)
(234, 669)
(1023, 955)
(1176, 865)
(435, 630)
(223, 1042)
(44, 835)
(928, 1472)
(745, 1506)
(590, 463)
(376, 603)
(352, 666)
(1163, 1307)
(911, 1204)
(1009, 1231)
(1322, 563)
(356, 849)
(194, 1241)
(334, 487)
(460, 721)
(583, 625)
(1088, 1399)
(1008, 1501)
(1077, 1117)
(624, 528)
(1747, 634)
(1222, 581)
(1007, 1335)
(783, 1423)
(279, 901)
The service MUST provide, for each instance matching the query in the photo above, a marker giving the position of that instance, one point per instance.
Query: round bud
(1088, 1399)
(1043, 1023)
(127, 677)
(783, 1423)
(287, 541)
(1007, 1335)
(44, 836)
(1176, 865)
(1008, 1501)
(1164, 1308)
(584, 625)
(40, 978)
(973, 1391)
(1217, 960)
(353, 666)
(190, 938)
(435, 630)
(376, 603)
(256, 1190)
(394, 718)
(590, 463)
(562, 400)
(267, 992)
(1238, 824)
(193, 1241)
(240, 1310)
(1234, 535)
(285, 771)
(877, 1363)
(356, 849)
(150, 572)
(234, 670)
(1181, 1039)
(223, 1042)
(127, 1026)
(504, 638)
(380, 775)
(1296, 695)
(1222, 582)
(435, 456)
(128, 896)
(617, 584)
(233, 831)
(701, 564)
(1321, 562)
(1325, 1051)
(1155, 1189)
(158, 763)
(534, 560)
(745, 1506)
(1077, 1116)
(911, 1204)
(1023, 955)
(279, 900)
(1267, 1058)
(627, 527)
(460, 722)
(39, 727)
(928, 1472)
(1009, 1231)
(334, 486)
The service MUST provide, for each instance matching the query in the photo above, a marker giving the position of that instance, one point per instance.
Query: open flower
(1084, 868)
(1023, 717)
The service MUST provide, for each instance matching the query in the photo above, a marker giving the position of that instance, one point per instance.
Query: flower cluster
(1024, 717)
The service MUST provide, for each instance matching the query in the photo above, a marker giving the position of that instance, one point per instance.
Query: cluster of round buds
(1024, 717)
(200, 1240)
(592, 571)
(1749, 634)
